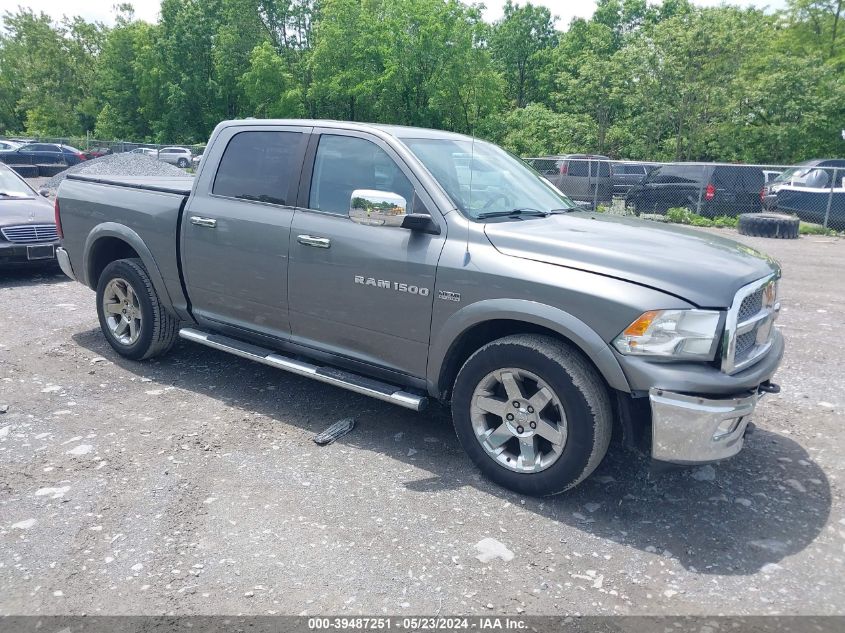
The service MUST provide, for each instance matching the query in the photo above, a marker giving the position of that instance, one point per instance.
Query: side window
(753, 179)
(344, 164)
(578, 167)
(599, 168)
(259, 166)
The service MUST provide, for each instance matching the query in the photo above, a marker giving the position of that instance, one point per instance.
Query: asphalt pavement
(191, 485)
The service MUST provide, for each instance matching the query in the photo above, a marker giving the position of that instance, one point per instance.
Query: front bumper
(15, 254)
(694, 430)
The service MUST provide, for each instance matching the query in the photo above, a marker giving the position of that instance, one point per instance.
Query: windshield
(806, 177)
(13, 187)
(483, 179)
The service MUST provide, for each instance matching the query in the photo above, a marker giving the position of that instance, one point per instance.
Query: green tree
(267, 86)
(49, 71)
(518, 42)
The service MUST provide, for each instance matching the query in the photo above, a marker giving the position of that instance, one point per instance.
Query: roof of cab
(397, 131)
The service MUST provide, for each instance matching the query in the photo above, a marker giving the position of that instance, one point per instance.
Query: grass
(806, 228)
(682, 215)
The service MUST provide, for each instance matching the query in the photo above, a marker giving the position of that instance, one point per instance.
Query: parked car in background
(97, 152)
(179, 156)
(711, 190)
(771, 175)
(146, 151)
(625, 176)
(27, 223)
(584, 177)
(806, 189)
(197, 159)
(43, 154)
(9, 146)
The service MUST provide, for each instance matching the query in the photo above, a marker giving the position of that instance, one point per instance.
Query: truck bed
(180, 185)
(144, 212)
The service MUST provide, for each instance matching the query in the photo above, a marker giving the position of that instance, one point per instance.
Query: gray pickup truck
(411, 264)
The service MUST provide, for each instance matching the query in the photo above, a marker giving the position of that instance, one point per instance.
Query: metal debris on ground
(336, 430)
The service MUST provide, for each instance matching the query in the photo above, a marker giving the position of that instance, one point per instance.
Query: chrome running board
(329, 375)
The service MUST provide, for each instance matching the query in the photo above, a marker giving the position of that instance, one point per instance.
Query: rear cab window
(260, 166)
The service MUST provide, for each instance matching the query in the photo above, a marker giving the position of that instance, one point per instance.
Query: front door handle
(206, 222)
(316, 242)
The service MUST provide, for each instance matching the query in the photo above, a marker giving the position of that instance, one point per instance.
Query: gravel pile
(124, 164)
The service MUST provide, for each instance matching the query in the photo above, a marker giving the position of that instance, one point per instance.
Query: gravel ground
(191, 485)
(123, 164)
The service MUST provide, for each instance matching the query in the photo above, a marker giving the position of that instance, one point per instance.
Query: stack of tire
(777, 225)
(35, 171)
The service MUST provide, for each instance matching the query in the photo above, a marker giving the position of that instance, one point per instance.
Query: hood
(35, 210)
(704, 269)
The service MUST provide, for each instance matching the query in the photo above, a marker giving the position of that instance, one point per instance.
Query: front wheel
(132, 318)
(532, 413)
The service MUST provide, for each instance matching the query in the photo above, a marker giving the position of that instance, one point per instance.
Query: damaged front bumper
(689, 429)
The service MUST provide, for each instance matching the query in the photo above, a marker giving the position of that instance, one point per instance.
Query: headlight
(682, 334)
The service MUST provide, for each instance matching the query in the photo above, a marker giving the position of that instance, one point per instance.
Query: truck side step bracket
(329, 375)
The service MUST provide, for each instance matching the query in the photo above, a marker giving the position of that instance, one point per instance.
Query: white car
(146, 151)
(179, 156)
(9, 146)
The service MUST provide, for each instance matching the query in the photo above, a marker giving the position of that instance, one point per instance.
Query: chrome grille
(744, 344)
(29, 233)
(750, 306)
(749, 328)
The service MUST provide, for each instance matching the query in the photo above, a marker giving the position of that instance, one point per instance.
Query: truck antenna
(469, 206)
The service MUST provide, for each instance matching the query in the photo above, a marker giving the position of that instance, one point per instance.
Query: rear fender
(130, 237)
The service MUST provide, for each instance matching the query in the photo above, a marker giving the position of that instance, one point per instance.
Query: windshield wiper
(513, 213)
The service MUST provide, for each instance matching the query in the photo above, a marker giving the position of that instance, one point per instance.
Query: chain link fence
(693, 193)
(701, 193)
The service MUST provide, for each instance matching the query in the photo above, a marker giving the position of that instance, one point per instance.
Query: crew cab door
(236, 229)
(364, 292)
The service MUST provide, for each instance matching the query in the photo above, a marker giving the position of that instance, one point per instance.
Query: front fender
(130, 237)
(555, 319)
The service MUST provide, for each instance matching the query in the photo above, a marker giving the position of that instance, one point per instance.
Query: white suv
(178, 156)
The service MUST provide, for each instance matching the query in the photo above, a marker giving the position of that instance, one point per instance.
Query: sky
(147, 10)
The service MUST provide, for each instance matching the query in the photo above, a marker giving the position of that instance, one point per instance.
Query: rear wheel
(132, 318)
(532, 413)
(182, 162)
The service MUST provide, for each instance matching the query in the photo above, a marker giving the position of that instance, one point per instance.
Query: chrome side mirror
(44, 192)
(377, 208)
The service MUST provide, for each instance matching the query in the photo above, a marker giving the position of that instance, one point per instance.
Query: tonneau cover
(180, 185)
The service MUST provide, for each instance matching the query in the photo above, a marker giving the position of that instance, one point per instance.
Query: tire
(182, 162)
(154, 331)
(26, 171)
(777, 225)
(579, 410)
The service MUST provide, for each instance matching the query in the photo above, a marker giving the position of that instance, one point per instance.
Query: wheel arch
(475, 325)
(110, 241)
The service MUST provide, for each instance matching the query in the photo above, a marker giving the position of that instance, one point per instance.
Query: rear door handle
(316, 242)
(206, 222)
